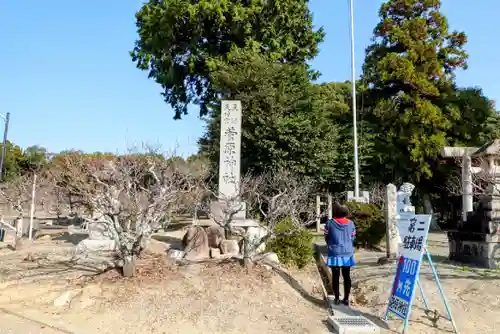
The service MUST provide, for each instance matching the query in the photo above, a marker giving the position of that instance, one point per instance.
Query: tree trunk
(129, 268)
(428, 210)
(70, 202)
(19, 225)
(247, 262)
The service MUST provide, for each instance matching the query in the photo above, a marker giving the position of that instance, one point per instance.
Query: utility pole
(354, 110)
(6, 119)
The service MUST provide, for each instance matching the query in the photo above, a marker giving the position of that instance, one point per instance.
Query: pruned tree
(58, 202)
(17, 194)
(485, 178)
(132, 195)
(272, 198)
(283, 195)
(199, 169)
(223, 208)
(377, 193)
(480, 192)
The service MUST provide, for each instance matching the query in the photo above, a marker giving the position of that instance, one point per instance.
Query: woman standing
(340, 236)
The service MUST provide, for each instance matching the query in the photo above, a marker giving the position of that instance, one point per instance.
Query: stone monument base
(363, 198)
(474, 248)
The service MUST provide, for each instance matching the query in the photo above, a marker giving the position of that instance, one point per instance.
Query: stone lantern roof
(492, 148)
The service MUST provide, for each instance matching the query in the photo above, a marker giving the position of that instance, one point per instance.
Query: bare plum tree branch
(271, 198)
(283, 195)
(222, 208)
(484, 178)
(17, 193)
(133, 194)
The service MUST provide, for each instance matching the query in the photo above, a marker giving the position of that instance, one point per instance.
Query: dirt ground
(42, 292)
(473, 294)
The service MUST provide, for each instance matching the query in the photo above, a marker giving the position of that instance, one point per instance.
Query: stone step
(352, 325)
(347, 320)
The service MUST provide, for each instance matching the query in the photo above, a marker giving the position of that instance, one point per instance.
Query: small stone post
(19, 224)
(392, 242)
(467, 196)
(330, 207)
(318, 213)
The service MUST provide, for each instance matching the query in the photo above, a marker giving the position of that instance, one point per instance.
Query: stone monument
(100, 237)
(477, 237)
(392, 234)
(398, 203)
(229, 173)
(230, 149)
(230, 158)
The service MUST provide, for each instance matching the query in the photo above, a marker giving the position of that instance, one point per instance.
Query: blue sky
(68, 81)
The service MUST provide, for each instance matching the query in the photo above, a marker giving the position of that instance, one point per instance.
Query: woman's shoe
(345, 302)
(336, 301)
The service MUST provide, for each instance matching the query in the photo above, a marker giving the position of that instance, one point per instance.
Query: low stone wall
(321, 263)
(479, 249)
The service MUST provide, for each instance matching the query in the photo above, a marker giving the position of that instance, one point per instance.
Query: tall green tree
(13, 161)
(179, 40)
(34, 157)
(334, 100)
(280, 127)
(410, 69)
(478, 123)
(18, 161)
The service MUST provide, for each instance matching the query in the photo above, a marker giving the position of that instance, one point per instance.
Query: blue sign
(403, 288)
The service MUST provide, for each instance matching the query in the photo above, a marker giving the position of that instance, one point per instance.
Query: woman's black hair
(339, 210)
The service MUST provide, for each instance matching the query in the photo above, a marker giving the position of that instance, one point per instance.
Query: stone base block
(8, 237)
(175, 254)
(352, 325)
(95, 245)
(364, 198)
(474, 248)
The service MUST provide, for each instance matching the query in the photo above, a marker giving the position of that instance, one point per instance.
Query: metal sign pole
(414, 230)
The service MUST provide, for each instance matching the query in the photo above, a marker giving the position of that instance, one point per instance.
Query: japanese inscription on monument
(230, 146)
